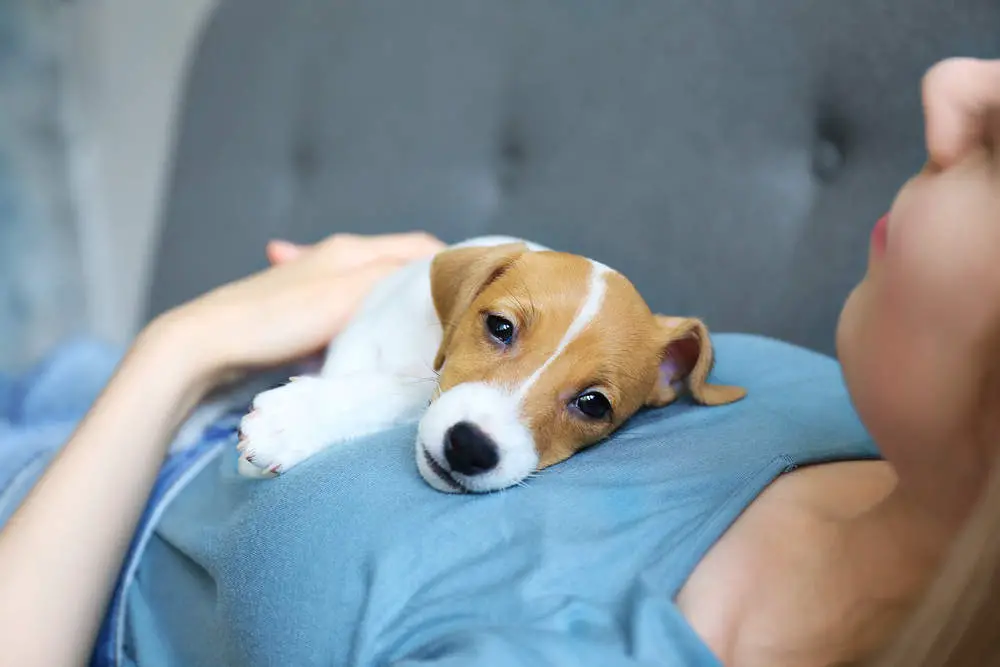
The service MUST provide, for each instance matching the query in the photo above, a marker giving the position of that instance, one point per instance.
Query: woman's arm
(61, 551)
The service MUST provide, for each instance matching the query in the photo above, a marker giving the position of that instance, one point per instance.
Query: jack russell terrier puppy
(511, 356)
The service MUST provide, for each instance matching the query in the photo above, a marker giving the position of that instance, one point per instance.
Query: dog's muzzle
(472, 439)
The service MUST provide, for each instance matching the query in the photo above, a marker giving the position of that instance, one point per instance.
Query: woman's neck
(903, 527)
(891, 552)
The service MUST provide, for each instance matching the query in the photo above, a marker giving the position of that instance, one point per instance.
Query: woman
(823, 565)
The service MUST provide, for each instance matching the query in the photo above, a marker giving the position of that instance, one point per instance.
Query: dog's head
(542, 354)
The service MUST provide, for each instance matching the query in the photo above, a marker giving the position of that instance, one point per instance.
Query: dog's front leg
(291, 423)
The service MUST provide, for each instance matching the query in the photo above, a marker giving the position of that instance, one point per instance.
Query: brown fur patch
(540, 293)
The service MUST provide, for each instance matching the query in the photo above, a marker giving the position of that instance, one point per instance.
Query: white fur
(291, 423)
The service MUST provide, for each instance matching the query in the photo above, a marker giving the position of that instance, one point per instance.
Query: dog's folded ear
(687, 359)
(459, 275)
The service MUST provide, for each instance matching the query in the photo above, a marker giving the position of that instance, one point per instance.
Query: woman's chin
(847, 323)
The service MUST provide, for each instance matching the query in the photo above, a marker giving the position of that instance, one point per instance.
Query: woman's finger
(961, 103)
(347, 251)
(279, 252)
(404, 246)
(410, 245)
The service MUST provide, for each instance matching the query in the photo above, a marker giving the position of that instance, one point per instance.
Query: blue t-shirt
(351, 559)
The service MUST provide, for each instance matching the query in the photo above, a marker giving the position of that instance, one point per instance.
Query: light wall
(126, 63)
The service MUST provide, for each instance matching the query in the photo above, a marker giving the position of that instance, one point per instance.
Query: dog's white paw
(286, 426)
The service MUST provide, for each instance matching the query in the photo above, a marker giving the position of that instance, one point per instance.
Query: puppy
(512, 357)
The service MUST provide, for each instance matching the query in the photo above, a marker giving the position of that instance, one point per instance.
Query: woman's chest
(779, 587)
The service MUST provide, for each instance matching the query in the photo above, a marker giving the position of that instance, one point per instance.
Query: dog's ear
(686, 359)
(459, 275)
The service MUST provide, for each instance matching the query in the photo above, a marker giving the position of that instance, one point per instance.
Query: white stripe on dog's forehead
(589, 309)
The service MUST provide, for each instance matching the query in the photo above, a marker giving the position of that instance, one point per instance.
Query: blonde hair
(957, 624)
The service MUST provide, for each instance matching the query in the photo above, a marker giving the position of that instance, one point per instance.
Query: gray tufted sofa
(730, 156)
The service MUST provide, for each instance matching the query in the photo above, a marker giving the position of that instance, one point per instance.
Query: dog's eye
(593, 404)
(500, 328)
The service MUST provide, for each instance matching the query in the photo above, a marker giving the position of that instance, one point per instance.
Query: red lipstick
(880, 235)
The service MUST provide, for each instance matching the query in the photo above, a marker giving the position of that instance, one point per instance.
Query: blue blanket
(40, 409)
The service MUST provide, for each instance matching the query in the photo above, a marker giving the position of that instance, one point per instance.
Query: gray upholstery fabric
(730, 156)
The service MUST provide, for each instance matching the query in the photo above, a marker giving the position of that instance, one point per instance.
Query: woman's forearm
(61, 551)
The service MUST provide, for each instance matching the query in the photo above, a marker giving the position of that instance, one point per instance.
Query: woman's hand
(290, 310)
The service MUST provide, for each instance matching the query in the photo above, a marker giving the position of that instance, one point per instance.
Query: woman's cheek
(941, 284)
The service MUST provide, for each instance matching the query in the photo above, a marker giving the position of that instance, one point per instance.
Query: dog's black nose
(468, 450)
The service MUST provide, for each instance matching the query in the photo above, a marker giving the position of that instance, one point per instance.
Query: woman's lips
(880, 235)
